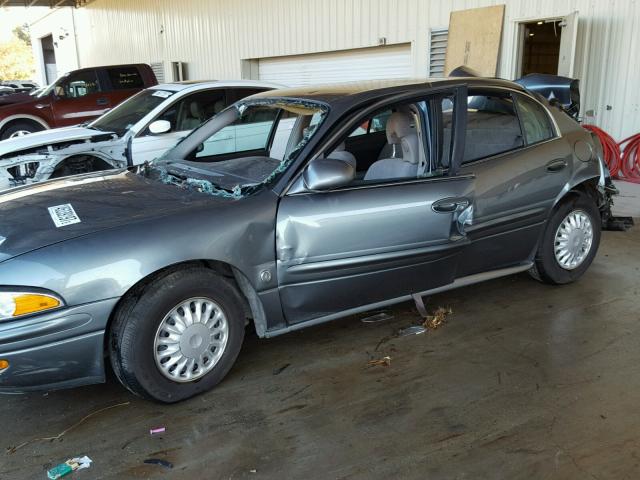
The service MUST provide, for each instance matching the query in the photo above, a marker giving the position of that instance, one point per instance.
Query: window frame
(339, 132)
(144, 130)
(482, 92)
(546, 113)
(265, 151)
(65, 80)
(511, 91)
(112, 85)
(369, 124)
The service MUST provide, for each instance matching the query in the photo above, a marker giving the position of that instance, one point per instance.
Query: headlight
(17, 304)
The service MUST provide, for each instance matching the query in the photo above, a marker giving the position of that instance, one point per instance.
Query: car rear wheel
(179, 336)
(19, 129)
(570, 241)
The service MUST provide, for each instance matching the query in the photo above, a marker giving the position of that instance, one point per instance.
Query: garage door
(336, 67)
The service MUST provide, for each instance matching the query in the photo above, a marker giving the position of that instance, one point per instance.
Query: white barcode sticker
(63, 215)
(161, 94)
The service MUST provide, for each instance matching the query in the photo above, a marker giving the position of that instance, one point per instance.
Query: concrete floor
(524, 381)
(627, 203)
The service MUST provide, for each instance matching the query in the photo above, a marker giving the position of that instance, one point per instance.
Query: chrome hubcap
(191, 339)
(19, 133)
(573, 240)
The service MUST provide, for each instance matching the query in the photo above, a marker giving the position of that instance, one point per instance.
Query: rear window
(492, 126)
(123, 78)
(535, 121)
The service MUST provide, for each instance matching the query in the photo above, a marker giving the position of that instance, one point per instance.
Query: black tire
(132, 334)
(546, 268)
(18, 126)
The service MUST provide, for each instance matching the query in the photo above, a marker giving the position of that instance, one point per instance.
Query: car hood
(99, 200)
(49, 137)
(13, 98)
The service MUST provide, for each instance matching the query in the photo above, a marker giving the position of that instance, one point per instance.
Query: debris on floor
(412, 330)
(381, 362)
(155, 431)
(281, 369)
(431, 322)
(11, 450)
(378, 317)
(438, 318)
(71, 465)
(159, 461)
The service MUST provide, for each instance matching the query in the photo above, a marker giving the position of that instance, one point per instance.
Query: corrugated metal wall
(214, 36)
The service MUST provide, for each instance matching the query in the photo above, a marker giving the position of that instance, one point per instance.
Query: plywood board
(474, 39)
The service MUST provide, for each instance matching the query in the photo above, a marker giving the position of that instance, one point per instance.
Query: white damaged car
(141, 128)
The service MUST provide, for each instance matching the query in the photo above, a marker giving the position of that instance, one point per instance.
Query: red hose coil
(623, 158)
(610, 148)
(630, 158)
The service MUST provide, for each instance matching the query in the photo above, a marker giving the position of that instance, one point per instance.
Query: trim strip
(373, 259)
(460, 282)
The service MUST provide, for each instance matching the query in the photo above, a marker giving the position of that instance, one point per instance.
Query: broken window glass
(255, 143)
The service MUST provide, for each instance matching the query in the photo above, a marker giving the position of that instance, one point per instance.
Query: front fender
(22, 116)
(106, 264)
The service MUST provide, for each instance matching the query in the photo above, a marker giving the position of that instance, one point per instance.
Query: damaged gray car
(286, 210)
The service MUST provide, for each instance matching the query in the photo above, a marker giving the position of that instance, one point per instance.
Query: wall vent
(437, 51)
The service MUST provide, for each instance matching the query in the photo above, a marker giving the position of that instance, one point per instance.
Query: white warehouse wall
(59, 23)
(214, 36)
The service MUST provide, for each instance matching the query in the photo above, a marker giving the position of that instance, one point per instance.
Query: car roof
(339, 91)
(204, 84)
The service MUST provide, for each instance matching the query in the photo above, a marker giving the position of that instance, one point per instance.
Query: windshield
(243, 147)
(128, 113)
(46, 90)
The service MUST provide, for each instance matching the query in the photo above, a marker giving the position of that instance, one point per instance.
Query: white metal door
(150, 147)
(393, 61)
(568, 45)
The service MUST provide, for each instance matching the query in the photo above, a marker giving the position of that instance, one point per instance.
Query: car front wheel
(179, 336)
(18, 129)
(570, 241)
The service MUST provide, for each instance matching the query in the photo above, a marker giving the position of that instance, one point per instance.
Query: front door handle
(102, 101)
(556, 165)
(450, 205)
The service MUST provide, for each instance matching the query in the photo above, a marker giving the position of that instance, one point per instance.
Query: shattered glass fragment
(412, 330)
(378, 317)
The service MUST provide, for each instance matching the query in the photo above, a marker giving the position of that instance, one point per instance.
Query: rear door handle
(102, 101)
(556, 165)
(450, 205)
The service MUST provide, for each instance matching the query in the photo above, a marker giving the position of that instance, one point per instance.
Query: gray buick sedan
(289, 209)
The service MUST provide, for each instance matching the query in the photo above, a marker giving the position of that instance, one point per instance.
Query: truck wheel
(179, 337)
(569, 243)
(18, 129)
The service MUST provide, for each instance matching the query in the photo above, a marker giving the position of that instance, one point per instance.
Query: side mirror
(159, 126)
(328, 173)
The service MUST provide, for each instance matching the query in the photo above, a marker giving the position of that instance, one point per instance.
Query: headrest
(194, 109)
(398, 127)
(340, 148)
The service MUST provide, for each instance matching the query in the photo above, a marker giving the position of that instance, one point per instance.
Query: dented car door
(346, 249)
(365, 245)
